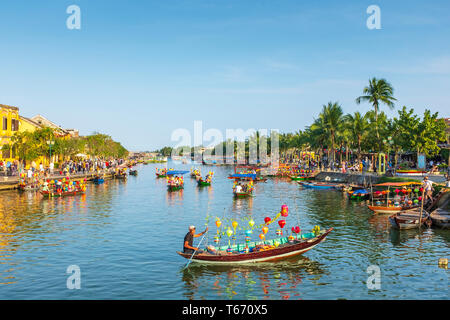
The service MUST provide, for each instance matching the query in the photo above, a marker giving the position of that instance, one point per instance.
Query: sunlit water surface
(124, 237)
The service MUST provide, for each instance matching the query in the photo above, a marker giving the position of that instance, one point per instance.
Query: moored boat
(441, 218)
(264, 251)
(409, 219)
(317, 185)
(51, 194)
(133, 173)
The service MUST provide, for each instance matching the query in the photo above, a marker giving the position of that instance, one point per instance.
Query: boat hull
(280, 253)
(409, 219)
(385, 210)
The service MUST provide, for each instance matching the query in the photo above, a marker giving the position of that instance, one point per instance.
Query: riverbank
(12, 183)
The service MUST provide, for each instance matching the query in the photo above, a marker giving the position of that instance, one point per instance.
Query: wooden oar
(195, 251)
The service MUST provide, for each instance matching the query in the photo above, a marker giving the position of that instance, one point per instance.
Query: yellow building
(9, 116)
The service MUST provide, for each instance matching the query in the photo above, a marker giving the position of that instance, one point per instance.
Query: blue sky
(138, 70)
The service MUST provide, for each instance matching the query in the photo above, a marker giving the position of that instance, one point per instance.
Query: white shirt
(30, 173)
(428, 185)
(238, 188)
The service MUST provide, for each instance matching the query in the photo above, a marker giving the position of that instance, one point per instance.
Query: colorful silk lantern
(262, 236)
(234, 224)
(279, 232)
(218, 223)
(229, 232)
(282, 223)
(267, 220)
(251, 223)
(265, 230)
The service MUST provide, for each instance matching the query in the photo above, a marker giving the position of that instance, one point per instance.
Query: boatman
(428, 187)
(189, 239)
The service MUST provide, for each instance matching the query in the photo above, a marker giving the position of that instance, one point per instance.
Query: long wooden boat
(386, 209)
(409, 219)
(316, 185)
(441, 218)
(120, 176)
(161, 175)
(133, 173)
(51, 194)
(283, 251)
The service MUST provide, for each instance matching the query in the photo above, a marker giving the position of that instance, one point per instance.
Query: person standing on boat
(189, 239)
(428, 187)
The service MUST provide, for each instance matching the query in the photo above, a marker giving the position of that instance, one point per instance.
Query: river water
(123, 236)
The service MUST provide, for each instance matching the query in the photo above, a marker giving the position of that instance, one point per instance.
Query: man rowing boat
(189, 239)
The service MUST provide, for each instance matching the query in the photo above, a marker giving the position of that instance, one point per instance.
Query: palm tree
(379, 91)
(332, 119)
(357, 125)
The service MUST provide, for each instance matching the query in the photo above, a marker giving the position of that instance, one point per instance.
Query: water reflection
(281, 280)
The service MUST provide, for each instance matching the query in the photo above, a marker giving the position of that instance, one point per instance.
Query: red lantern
(267, 220)
(297, 229)
(397, 191)
(282, 223)
(421, 189)
(420, 198)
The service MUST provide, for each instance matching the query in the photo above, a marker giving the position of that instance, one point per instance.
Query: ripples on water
(123, 236)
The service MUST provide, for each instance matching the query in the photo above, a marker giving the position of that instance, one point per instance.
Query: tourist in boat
(189, 239)
(238, 188)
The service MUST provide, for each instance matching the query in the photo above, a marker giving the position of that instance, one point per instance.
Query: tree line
(373, 132)
(29, 146)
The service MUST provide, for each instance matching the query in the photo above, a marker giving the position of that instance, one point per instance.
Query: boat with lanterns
(63, 187)
(120, 174)
(175, 180)
(207, 181)
(247, 173)
(395, 197)
(243, 189)
(264, 250)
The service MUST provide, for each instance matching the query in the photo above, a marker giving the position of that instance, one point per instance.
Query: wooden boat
(317, 185)
(409, 219)
(386, 209)
(121, 176)
(284, 250)
(51, 194)
(161, 175)
(133, 173)
(28, 187)
(172, 187)
(441, 218)
(358, 194)
(242, 194)
(202, 183)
